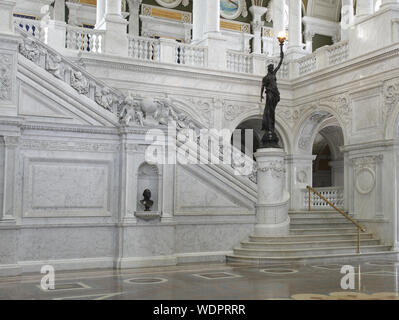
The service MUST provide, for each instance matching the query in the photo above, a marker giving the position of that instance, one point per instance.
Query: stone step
(314, 214)
(323, 231)
(324, 220)
(318, 225)
(307, 244)
(312, 237)
(306, 252)
(336, 258)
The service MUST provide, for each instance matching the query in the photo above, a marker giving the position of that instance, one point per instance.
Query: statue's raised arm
(281, 59)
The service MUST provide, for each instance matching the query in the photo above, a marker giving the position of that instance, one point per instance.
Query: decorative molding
(391, 98)
(290, 115)
(365, 172)
(276, 168)
(235, 26)
(232, 111)
(241, 9)
(169, 14)
(172, 3)
(50, 145)
(6, 62)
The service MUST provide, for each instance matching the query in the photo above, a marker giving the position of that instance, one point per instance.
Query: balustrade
(239, 62)
(191, 55)
(141, 48)
(31, 26)
(335, 195)
(85, 39)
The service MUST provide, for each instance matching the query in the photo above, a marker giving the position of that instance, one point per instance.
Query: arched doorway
(328, 165)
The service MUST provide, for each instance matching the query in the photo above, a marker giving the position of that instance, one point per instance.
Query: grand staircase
(315, 236)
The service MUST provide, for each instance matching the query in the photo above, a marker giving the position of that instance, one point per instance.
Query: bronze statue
(269, 84)
(146, 202)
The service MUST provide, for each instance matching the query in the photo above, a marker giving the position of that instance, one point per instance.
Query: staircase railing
(359, 227)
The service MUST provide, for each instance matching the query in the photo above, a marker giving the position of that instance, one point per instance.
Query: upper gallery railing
(173, 52)
(85, 39)
(191, 55)
(31, 26)
(63, 69)
(239, 62)
(142, 48)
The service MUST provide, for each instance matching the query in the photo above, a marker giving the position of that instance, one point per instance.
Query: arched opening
(254, 124)
(328, 166)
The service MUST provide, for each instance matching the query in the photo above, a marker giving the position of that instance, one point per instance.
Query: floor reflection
(372, 280)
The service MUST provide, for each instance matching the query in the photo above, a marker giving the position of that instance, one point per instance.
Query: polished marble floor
(373, 280)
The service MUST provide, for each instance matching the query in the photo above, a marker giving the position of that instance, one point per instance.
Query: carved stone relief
(5, 77)
(276, 168)
(365, 173)
(391, 98)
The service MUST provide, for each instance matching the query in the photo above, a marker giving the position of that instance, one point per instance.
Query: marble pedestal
(273, 200)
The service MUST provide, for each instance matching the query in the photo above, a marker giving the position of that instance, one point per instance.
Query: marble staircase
(316, 236)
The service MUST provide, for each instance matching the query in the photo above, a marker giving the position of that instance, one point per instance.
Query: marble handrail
(65, 70)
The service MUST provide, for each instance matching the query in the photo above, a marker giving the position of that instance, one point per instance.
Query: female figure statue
(269, 84)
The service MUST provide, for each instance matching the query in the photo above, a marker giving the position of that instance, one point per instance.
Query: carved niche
(148, 177)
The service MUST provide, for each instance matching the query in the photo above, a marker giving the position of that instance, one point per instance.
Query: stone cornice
(370, 145)
(164, 68)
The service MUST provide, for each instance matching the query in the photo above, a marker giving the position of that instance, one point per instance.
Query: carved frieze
(232, 111)
(5, 76)
(276, 168)
(48, 145)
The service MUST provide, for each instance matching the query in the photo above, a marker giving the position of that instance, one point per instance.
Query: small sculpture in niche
(147, 202)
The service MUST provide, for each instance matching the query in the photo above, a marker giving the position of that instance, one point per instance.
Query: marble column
(347, 14)
(134, 17)
(337, 173)
(273, 200)
(56, 28)
(11, 144)
(299, 174)
(364, 8)
(116, 40)
(100, 12)
(257, 24)
(295, 46)
(59, 10)
(6, 17)
(279, 23)
(309, 34)
(206, 31)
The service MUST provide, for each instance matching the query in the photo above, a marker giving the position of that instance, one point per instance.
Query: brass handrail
(359, 227)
